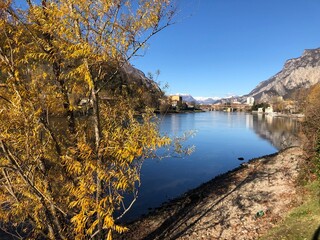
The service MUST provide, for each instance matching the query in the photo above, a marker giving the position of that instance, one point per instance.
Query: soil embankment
(241, 204)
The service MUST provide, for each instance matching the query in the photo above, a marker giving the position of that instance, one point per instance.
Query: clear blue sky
(223, 47)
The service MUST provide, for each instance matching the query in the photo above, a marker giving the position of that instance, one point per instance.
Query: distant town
(276, 106)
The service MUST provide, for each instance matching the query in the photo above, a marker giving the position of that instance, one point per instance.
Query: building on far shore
(175, 100)
(250, 101)
(269, 110)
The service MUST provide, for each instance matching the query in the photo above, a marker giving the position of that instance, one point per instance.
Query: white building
(250, 101)
(269, 110)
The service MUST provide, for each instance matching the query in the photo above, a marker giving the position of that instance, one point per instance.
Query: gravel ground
(241, 204)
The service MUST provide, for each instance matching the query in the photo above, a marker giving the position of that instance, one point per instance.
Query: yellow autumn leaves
(65, 167)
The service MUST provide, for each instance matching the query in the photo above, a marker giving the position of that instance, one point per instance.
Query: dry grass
(302, 222)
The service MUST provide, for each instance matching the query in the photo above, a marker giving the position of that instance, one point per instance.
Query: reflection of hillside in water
(281, 132)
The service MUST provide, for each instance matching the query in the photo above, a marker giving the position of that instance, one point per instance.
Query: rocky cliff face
(132, 74)
(134, 83)
(301, 72)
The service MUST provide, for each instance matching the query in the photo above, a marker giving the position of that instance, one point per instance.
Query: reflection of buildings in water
(234, 119)
(230, 119)
(269, 119)
(249, 121)
(281, 132)
(175, 123)
(181, 123)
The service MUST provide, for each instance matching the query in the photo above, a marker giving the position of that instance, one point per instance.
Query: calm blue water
(221, 138)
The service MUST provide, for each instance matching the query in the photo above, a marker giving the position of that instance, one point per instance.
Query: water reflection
(221, 139)
(281, 132)
(249, 121)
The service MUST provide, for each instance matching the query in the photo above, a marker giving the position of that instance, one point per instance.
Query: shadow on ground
(183, 214)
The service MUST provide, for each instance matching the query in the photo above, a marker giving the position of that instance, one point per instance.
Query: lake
(221, 139)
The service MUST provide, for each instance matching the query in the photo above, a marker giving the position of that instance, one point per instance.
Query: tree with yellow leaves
(64, 172)
(312, 122)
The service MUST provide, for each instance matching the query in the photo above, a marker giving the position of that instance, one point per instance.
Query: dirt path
(242, 204)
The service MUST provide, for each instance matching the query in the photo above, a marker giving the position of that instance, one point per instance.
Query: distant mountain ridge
(198, 100)
(301, 72)
(297, 73)
(207, 100)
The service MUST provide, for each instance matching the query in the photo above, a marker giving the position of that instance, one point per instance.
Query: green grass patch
(303, 222)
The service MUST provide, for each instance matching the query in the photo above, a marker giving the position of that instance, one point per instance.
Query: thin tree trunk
(97, 133)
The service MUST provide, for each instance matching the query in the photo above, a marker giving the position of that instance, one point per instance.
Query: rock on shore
(241, 204)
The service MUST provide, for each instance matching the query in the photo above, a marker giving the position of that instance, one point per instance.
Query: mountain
(207, 100)
(132, 74)
(301, 72)
(198, 100)
(187, 97)
(230, 99)
(133, 82)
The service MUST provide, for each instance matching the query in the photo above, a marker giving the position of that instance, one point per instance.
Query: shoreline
(284, 115)
(239, 204)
